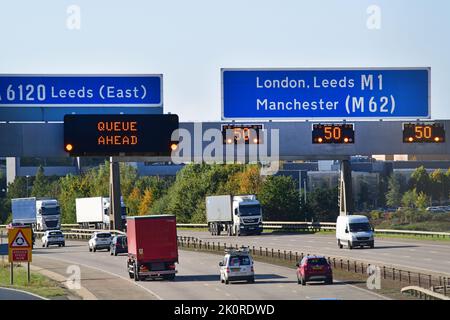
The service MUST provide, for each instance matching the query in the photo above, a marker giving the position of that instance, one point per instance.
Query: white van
(354, 231)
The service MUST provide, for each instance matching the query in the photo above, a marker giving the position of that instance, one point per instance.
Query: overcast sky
(189, 41)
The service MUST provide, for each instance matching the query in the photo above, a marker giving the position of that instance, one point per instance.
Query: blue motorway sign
(49, 97)
(326, 93)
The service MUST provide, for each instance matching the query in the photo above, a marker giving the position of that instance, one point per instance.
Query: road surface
(12, 294)
(197, 278)
(425, 256)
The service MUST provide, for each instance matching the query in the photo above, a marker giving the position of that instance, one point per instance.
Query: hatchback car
(314, 268)
(237, 265)
(53, 237)
(119, 245)
(100, 240)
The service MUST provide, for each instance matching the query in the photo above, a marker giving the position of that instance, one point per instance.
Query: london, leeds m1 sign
(398, 93)
(50, 97)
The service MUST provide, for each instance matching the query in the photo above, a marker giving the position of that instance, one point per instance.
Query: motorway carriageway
(424, 256)
(197, 278)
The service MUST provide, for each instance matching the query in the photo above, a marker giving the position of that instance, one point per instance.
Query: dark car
(119, 245)
(314, 268)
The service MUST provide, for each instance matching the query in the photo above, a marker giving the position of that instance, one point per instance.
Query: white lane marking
(294, 291)
(412, 250)
(434, 252)
(206, 284)
(227, 294)
(330, 242)
(25, 292)
(111, 273)
(407, 257)
(427, 259)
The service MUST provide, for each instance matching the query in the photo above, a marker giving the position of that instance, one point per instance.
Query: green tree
(280, 199)
(394, 195)
(322, 204)
(422, 201)
(420, 180)
(409, 198)
(439, 185)
(40, 184)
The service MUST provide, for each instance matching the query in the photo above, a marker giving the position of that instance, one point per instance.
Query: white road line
(111, 273)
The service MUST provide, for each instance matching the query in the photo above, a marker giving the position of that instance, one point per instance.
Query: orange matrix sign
(117, 133)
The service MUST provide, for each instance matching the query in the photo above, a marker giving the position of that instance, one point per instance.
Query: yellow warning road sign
(19, 243)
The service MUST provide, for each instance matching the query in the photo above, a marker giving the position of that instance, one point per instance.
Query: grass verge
(39, 284)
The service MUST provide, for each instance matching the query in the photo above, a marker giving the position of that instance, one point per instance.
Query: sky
(189, 41)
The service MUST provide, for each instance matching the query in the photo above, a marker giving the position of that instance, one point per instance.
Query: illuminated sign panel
(423, 132)
(333, 133)
(119, 135)
(239, 133)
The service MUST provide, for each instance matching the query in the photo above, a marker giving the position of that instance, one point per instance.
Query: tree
(409, 199)
(439, 185)
(133, 200)
(420, 180)
(146, 202)
(279, 199)
(422, 201)
(40, 184)
(322, 204)
(394, 195)
(17, 189)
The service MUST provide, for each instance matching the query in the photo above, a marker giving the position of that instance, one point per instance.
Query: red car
(314, 268)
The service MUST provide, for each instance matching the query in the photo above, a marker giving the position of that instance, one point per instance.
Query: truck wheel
(218, 230)
(90, 249)
(350, 245)
(229, 231)
(227, 281)
(237, 233)
(339, 244)
(95, 249)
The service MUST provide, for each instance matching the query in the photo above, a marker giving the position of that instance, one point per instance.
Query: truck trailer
(152, 247)
(94, 212)
(24, 213)
(236, 215)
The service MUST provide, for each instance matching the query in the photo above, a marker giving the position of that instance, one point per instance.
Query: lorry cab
(247, 215)
(48, 215)
(354, 231)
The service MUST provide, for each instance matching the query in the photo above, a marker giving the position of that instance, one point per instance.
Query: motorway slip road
(197, 279)
(423, 256)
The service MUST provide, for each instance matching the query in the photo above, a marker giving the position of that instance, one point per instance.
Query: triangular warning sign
(20, 241)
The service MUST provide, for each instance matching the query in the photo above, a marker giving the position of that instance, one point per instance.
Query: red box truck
(152, 246)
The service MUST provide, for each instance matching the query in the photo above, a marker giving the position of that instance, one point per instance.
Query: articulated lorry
(152, 247)
(235, 215)
(94, 212)
(40, 213)
(48, 214)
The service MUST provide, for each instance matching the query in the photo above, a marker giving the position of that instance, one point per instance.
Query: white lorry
(94, 212)
(235, 215)
(48, 214)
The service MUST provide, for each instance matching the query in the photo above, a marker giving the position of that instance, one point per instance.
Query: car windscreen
(236, 261)
(49, 211)
(317, 261)
(104, 235)
(55, 233)
(250, 210)
(360, 227)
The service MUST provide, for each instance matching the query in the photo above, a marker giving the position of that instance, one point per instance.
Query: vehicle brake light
(253, 270)
(172, 266)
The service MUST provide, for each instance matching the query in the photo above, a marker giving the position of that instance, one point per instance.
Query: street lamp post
(27, 184)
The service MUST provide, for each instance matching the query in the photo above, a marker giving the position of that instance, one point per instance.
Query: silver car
(237, 265)
(100, 240)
